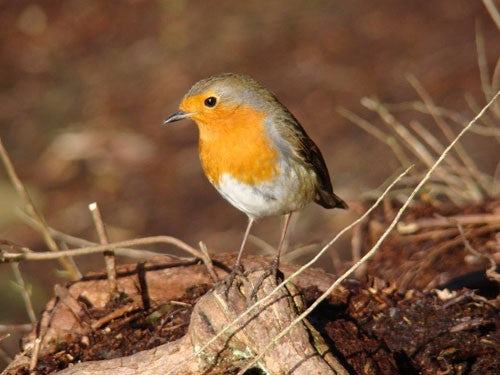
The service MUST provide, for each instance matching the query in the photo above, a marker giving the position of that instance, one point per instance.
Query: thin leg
(237, 266)
(245, 237)
(282, 240)
(272, 269)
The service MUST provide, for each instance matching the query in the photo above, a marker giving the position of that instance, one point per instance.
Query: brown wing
(306, 151)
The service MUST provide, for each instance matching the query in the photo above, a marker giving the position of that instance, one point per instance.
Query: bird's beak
(180, 115)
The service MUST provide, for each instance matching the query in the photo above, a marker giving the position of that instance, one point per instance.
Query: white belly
(288, 192)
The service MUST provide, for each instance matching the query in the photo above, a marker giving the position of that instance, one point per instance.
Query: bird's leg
(273, 268)
(276, 261)
(237, 268)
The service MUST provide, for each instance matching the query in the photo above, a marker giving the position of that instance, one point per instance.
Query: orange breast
(235, 142)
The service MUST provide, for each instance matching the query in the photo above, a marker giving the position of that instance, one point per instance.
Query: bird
(255, 152)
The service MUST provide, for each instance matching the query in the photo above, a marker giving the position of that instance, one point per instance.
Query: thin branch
(299, 252)
(441, 123)
(413, 144)
(378, 134)
(261, 244)
(475, 107)
(492, 9)
(5, 356)
(491, 272)
(210, 265)
(109, 256)
(374, 249)
(34, 355)
(447, 221)
(482, 63)
(6, 257)
(289, 278)
(33, 212)
(438, 148)
(495, 83)
(24, 292)
(21, 328)
(80, 242)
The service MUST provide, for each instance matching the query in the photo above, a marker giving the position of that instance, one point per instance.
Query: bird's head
(224, 99)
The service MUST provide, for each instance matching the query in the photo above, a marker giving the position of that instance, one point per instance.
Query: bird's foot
(230, 280)
(269, 270)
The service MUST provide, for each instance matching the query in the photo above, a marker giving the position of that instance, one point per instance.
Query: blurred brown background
(85, 86)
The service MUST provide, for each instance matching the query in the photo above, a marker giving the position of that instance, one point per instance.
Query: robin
(255, 152)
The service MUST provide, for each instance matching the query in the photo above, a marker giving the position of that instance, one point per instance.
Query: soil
(130, 333)
(434, 257)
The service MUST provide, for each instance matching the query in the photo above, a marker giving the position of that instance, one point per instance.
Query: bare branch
(24, 292)
(109, 255)
(6, 257)
(491, 272)
(482, 63)
(492, 9)
(441, 123)
(33, 212)
(447, 221)
(22, 328)
(80, 242)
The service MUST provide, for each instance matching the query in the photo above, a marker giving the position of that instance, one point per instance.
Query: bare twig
(491, 272)
(474, 106)
(80, 242)
(288, 279)
(34, 355)
(6, 257)
(442, 221)
(73, 272)
(438, 148)
(482, 63)
(441, 123)
(116, 314)
(412, 143)
(109, 255)
(24, 292)
(356, 246)
(71, 303)
(378, 134)
(434, 235)
(210, 265)
(5, 356)
(299, 252)
(21, 328)
(374, 249)
(492, 9)
(446, 113)
(495, 83)
(261, 244)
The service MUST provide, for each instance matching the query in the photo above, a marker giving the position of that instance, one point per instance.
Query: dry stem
(6, 257)
(491, 271)
(492, 9)
(109, 255)
(443, 221)
(24, 292)
(80, 242)
(70, 267)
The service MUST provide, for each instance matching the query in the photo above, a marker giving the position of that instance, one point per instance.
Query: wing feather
(298, 145)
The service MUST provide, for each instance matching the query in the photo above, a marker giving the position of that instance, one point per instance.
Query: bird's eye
(210, 101)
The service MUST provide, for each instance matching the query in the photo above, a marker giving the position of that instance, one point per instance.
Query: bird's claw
(269, 270)
(228, 283)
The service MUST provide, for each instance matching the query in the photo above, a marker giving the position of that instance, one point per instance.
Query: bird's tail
(330, 200)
